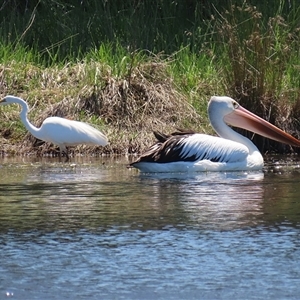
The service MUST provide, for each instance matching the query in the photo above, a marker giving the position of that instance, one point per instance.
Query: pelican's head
(218, 108)
(225, 109)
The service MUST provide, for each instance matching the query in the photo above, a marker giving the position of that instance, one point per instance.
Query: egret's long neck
(226, 132)
(23, 115)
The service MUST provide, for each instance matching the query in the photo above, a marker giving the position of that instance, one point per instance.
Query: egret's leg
(67, 155)
(64, 150)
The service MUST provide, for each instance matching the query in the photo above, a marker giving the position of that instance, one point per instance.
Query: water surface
(94, 229)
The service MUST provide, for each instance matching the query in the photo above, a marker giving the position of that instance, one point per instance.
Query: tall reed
(259, 58)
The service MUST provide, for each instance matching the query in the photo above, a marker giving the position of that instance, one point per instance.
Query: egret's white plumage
(192, 152)
(59, 131)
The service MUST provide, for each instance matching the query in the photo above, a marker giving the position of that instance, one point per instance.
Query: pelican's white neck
(216, 117)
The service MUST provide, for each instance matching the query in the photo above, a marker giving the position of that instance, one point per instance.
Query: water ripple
(97, 230)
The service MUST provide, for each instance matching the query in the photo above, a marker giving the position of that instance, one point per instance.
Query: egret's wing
(68, 132)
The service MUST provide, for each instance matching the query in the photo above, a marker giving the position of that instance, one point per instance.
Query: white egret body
(59, 131)
(192, 152)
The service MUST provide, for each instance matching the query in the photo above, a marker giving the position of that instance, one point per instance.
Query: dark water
(96, 230)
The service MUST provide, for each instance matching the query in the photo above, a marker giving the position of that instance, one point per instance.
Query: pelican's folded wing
(195, 147)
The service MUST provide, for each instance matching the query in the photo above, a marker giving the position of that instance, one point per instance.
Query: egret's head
(3, 101)
(9, 100)
(12, 99)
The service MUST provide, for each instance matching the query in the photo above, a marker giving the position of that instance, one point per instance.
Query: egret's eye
(235, 104)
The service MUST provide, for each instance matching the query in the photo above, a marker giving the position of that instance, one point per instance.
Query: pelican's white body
(234, 156)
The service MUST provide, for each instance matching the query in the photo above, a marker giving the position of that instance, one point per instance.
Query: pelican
(230, 151)
(59, 131)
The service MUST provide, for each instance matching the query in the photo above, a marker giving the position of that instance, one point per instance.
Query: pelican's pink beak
(245, 119)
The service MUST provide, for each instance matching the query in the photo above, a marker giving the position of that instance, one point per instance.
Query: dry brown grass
(126, 109)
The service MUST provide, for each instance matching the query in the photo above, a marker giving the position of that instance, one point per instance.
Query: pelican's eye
(235, 105)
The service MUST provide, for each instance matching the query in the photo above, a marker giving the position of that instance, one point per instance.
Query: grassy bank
(126, 101)
(248, 53)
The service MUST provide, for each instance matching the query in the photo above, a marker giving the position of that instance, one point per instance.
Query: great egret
(59, 131)
(191, 152)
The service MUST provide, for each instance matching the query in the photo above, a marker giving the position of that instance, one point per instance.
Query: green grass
(195, 75)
